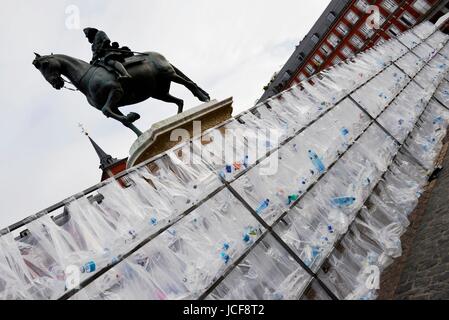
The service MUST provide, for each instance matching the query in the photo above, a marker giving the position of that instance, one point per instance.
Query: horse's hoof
(132, 116)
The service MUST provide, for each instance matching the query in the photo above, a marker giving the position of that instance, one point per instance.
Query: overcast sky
(230, 48)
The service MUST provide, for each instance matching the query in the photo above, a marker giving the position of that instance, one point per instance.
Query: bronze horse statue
(151, 75)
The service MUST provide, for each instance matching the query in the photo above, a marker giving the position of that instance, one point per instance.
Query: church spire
(105, 159)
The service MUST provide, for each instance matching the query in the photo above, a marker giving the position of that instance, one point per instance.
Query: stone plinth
(157, 139)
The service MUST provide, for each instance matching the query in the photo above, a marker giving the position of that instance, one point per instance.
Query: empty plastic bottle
(153, 221)
(264, 204)
(246, 162)
(318, 164)
(225, 257)
(438, 120)
(343, 201)
(344, 132)
(88, 267)
(292, 198)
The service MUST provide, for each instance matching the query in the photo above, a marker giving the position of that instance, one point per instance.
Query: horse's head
(50, 68)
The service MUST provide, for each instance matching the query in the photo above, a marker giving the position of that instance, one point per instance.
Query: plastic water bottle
(246, 238)
(344, 132)
(88, 267)
(225, 257)
(438, 120)
(318, 164)
(153, 221)
(246, 162)
(292, 198)
(343, 201)
(264, 204)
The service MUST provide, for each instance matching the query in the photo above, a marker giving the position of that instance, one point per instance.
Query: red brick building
(344, 29)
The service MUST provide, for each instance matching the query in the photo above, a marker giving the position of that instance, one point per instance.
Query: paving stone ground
(423, 270)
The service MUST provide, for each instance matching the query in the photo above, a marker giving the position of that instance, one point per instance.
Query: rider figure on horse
(109, 54)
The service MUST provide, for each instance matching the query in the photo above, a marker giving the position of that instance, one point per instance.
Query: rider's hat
(90, 32)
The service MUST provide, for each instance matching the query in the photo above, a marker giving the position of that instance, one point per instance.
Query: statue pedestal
(157, 139)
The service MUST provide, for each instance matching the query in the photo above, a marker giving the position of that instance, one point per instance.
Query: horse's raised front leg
(110, 110)
(129, 125)
(113, 99)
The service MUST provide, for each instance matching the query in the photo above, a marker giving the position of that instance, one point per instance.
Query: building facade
(347, 27)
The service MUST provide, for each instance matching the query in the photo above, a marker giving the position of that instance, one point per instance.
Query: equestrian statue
(117, 77)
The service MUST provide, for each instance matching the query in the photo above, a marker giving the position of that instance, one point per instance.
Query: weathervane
(83, 131)
(117, 77)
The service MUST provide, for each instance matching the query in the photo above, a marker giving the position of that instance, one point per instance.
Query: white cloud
(230, 48)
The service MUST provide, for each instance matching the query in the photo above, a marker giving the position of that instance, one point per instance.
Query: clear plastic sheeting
(230, 149)
(183, 261)
(424, 30)
(425, 52)
(280, 180)
(401, 116)
(267, 273)
(442, 93)
(353, 270)
(315, 292)
(410, 64)
(378, 93)
(384, 218)
(426, 140)
(310, 171)
(328, 209)
(409, 39)
(437, 39)
(433, 73)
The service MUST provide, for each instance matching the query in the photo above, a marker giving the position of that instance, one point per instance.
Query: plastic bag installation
(304, 196)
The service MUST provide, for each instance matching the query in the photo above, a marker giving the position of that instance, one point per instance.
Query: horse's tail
(179, 72)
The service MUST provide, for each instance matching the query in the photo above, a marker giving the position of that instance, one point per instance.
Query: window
(380, 41)
(389, 5)
(366, 30)
(302, 77)
(331, 17)
(394, 31)
(357, 42)
(408, 19)
(352, 17)
(315, 38)
(362, 6)
(310, 69)
(336, 60)
(347, 52)
(421, 6)
(317, 59)
(342, 28)
(285, 77)
(325, 50)
(382, 20)
(334, 40)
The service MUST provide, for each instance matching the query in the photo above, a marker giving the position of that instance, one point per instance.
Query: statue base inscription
(157, 139)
